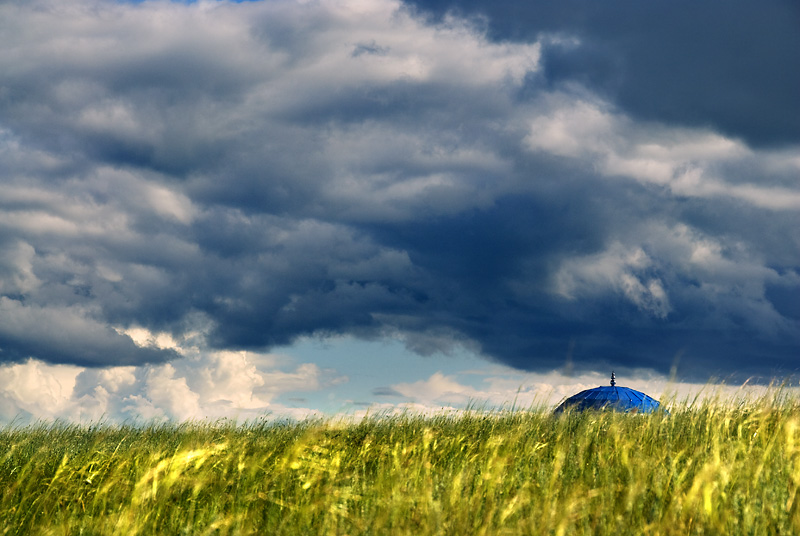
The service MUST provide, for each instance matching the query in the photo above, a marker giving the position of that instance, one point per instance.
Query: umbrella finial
(613, 383)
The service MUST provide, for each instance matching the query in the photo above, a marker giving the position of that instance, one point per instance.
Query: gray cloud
(386, 391)
(250, 173)
(66, 335)
(694, 63)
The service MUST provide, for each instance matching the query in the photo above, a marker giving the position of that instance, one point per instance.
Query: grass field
(710, 467)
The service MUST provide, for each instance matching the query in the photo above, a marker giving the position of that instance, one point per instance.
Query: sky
(216, 209)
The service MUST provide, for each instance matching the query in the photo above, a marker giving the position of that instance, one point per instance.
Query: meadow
(710, 467)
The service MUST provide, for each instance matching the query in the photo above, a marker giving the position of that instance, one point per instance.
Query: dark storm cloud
(243, 175)
(61, 336)
(733, 67)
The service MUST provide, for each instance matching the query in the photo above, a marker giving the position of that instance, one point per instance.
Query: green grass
(708, 468)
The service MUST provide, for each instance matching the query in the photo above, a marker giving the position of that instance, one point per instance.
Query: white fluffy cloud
(616, 270)
(200, 385)
(687, 162)
(503, 388)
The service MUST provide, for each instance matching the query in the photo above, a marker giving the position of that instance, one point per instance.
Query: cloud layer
(240, 175)
(201, 385)
(687, 62)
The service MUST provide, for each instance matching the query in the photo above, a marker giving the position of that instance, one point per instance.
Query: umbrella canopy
(613, 397)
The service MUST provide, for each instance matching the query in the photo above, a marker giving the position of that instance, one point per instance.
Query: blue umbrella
(613, 398)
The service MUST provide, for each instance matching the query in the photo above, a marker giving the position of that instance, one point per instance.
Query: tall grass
(710, 467)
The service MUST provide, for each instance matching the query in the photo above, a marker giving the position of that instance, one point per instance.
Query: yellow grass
(708, 468)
